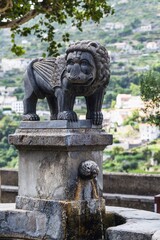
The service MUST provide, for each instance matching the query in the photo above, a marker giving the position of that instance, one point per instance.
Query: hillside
(131, 36)
(147, 12)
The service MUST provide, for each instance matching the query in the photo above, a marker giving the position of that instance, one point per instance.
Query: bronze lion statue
(84, 71)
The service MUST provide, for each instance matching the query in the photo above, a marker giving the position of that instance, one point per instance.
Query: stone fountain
(60, 179)
(60, 161)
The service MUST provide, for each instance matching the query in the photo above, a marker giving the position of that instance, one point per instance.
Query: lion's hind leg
(30, 108)
(29, 103)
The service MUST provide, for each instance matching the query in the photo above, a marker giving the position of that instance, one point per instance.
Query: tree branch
(31, 14)
(16, 22)
(5, 5)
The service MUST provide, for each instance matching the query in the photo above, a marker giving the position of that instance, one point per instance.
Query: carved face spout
(81, 68)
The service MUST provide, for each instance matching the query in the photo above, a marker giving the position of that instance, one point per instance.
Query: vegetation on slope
(8, 153)
(143, 159)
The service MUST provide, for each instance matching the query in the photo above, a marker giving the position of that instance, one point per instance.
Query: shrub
(129, 165)
(116, 141)
(156, 157)
(119, 158)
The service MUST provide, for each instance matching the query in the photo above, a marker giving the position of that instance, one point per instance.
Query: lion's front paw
(68, 115)
(30, 117)
(53, 117)
(97, 118)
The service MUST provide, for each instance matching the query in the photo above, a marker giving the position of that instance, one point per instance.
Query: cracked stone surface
(49, 159)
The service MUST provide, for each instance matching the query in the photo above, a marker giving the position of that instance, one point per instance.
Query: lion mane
(101, 58)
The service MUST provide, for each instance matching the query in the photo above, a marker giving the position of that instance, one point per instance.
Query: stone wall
(8, 185)
(120, 189)
(131, 190)
(136, 184)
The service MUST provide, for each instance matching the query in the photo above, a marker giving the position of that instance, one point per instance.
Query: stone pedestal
(60, 175)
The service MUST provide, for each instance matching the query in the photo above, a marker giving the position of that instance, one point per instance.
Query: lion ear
(93, 44)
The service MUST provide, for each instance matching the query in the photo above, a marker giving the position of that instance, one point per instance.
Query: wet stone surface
(54, 220)
(121, 224)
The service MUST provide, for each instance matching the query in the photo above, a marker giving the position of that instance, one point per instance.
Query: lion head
(80, 68)
(87, 65)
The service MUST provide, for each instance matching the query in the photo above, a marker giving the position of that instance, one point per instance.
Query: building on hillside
(25, 42)
(127, 101)
(122, 1)
(119, 25)
(121, 45)
(124, 47)
(111, 25)
(2, 90)
(125, 105)
(9, 64)
(116, 116)
(7, 91)
(17, 107)
(146, 28)
(7, 101)
(148, 132)
(152, 46)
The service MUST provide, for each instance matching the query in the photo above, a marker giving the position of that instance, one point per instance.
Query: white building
(6, 101)
(18, 63)
(17, 107)
(2, 90)
(122, 1)
(111, 25)
(121, 45)
(152, 45)
(6, 91)
(148, 132)
(146, 28)
(118, 25)
(116, 116)
(127, 101)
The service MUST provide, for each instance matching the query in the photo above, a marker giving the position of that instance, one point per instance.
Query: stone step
(7, 188)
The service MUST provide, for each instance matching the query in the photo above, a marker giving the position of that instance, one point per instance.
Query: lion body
(83, 72)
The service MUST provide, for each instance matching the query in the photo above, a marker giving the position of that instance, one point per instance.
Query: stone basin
(139, 225)
(121, 224)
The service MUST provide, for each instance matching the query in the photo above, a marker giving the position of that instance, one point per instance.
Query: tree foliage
(156, 157)
(150, 92)
(14, 13)
(8, 153)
